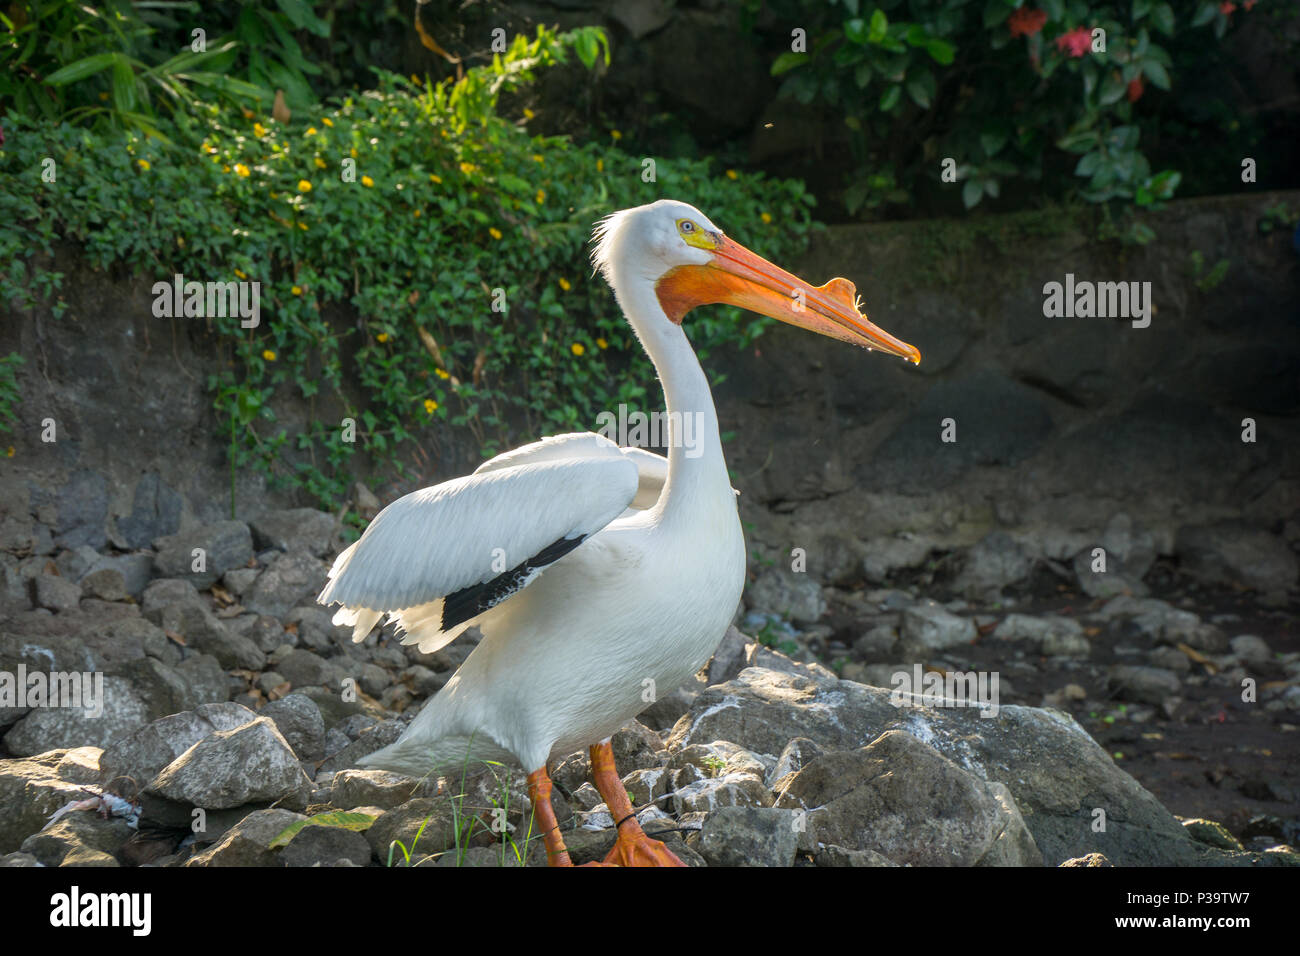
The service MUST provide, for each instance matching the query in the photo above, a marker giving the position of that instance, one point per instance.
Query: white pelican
(599, 576)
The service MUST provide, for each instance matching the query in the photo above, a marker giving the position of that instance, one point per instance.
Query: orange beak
(739, 277)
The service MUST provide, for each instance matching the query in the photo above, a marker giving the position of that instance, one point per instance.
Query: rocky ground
(1168, 684)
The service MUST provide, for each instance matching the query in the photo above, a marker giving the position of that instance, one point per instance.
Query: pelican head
(691, 262)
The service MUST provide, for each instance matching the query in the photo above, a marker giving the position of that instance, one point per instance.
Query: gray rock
(885, 555)
(381, 735)
(927, 628)
(107, 584)
(1230, 553)
(248, 843)
(288, 580)
(323, 845)
(17, 859)
(403, 823)
(795, 595)
(226, 545)
(1090, 859)
(77, 830)
(1115, 580)
(1147, 685)
(1127, 540)
(879, 641)
(82, 511)
(300, 722)
(750, 836)
(728, 790)
(376, 788)
(729, 658)
(1251, 649)
(904, 800)
(305, 669)
(1036, 630)
(996, 562)
(239, 580)
(155, 513)
(1059, 644)
(207, 681)
(832, 855)
(142, 755)
(74, 563)
(55, 593)
(295, 529)
(229, 768)
(32, 788)
(160, 688)
(119, 713)
(1212, 834)
(174, 605)
(1054, 770)
(136, 570)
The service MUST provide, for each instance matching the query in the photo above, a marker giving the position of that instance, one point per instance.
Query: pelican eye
(693, 234)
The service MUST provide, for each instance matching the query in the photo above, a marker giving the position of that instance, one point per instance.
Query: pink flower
(1025, 22)
(1227, 7)
(1076, 43)
(1135, 89)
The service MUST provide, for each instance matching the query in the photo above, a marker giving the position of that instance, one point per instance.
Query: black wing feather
(459, 606)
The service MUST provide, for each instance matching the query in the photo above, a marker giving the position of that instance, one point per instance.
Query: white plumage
(577, 643)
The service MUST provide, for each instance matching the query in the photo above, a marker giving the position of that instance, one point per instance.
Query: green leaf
(301, 16)
(1163, 18)
(879, 26)
(855, 31)
(1156, 73)
(889, 98)
(921, 89)
(992, 143)
(83, 68)
(1140, 9)
(1088, 163)
(995, 11)
(971, 193)
(338, 819)
(941, 51)
(1204, 14)
(788, 61)
(1112, 88)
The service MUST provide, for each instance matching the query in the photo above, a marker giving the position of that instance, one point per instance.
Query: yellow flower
(382, 336)
(600, 165)
(538, 158)
(732, 174)
(268, 355)
(616, 135)
(311, 131)
(415, 213)
(9, 452)
(225, 169)
(435, 178)
(327, 121)
(241, 170)
(241, 274)
(577, 348)
(564, 284)
(467, 168)
(304, 186)
(353, 151)
(143, 164)
(296, 290)
(430, 406)
(442, 373)
(320, 163)
(367, 181)
(103, 96)
(259, 130)
(494, 232)
(275, 195)
(541, 196)
(302, 226)
(602, 344)
(528, 114)
(766, 217)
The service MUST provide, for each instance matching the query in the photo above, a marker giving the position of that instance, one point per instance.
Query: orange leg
(634, 847)
(539, 792)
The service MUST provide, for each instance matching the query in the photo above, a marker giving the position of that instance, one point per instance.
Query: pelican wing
(652, 469)
(436, 559)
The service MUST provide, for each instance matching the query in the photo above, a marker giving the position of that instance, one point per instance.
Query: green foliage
(414, 207)
(337, 819)
(9, 389)
(1003, 88)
